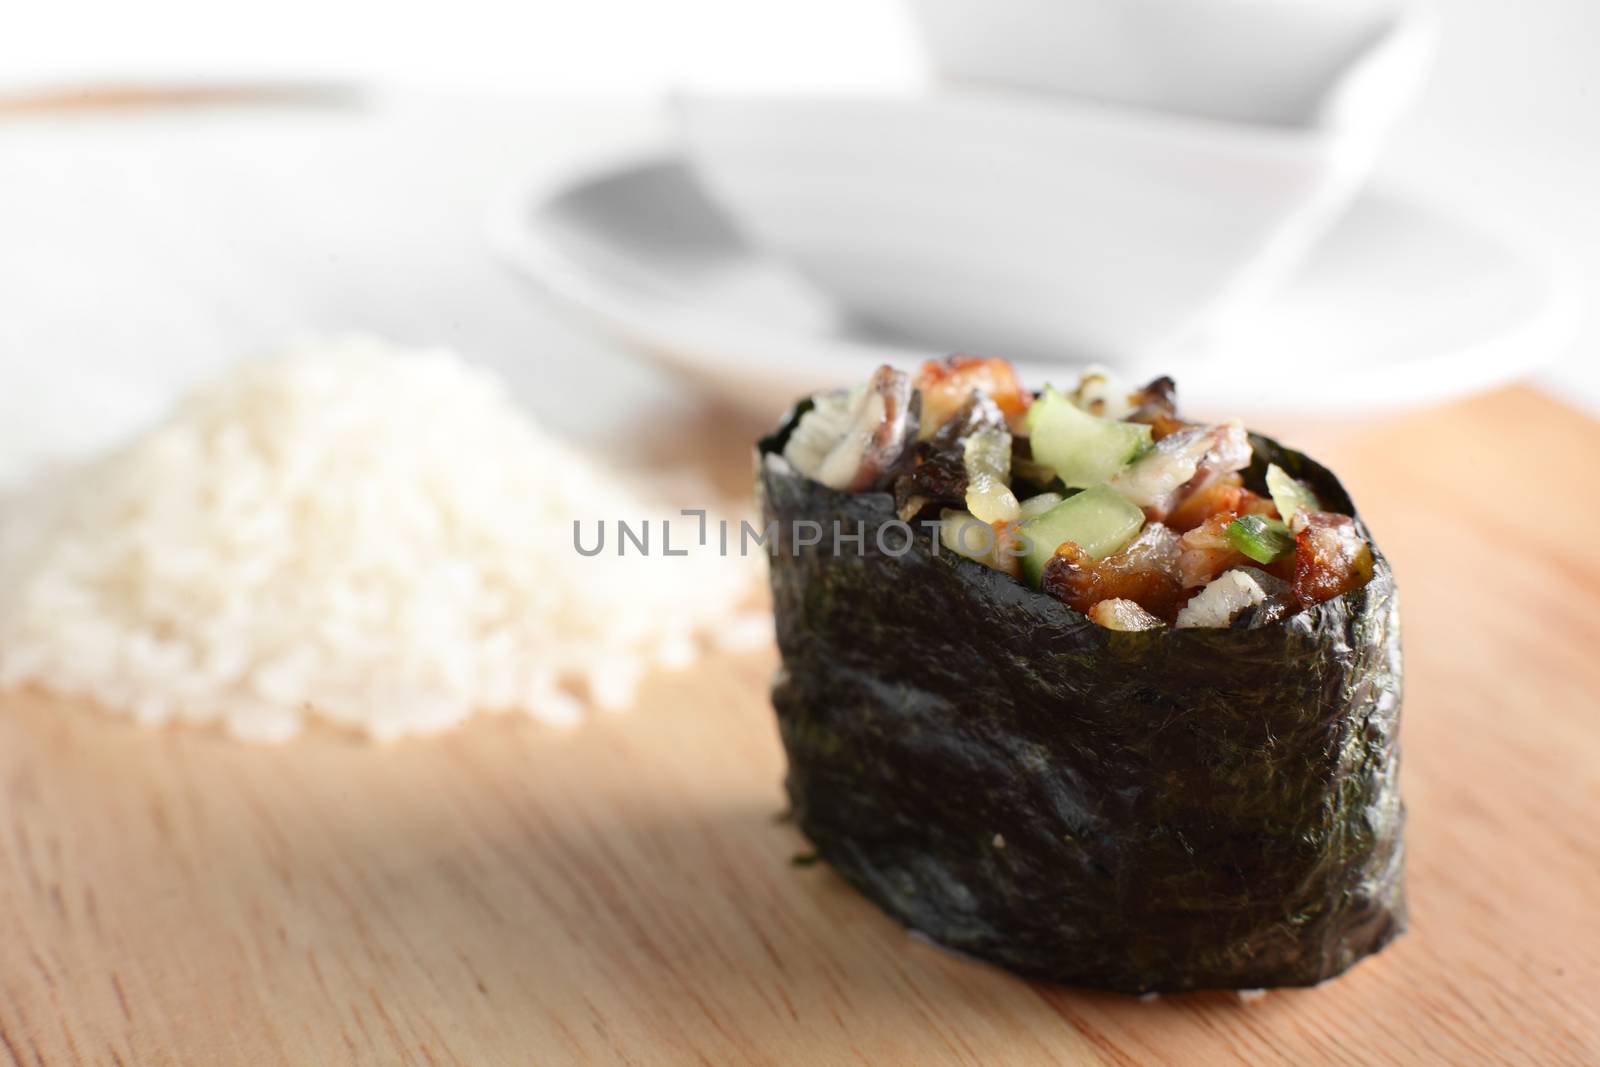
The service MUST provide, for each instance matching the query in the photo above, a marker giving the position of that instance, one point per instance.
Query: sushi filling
(1102, 498)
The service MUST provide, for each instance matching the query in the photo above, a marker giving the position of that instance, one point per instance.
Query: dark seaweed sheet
(1179, 809)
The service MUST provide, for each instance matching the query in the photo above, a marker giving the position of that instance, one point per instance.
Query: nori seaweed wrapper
(1148, 811)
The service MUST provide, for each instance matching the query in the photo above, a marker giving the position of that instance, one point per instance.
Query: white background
(1510, 125)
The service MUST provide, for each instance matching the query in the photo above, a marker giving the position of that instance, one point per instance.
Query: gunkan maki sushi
(1083, 688)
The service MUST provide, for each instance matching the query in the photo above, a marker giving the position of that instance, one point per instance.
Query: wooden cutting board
(624, 893)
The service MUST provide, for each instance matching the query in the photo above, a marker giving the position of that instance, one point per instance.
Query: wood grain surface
(624, 893)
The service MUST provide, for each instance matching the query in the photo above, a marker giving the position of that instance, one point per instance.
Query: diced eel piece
(1145, 572)
(852, 440)
(1124, 615)
(1331, 557)
(946, 384)
(1182, 464)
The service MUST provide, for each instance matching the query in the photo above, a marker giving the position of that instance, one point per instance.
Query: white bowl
(1415, 303)
(1285, 62)
(1037, 226)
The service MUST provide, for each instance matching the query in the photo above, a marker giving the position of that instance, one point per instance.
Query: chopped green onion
(1290, 495)
(1262, 539)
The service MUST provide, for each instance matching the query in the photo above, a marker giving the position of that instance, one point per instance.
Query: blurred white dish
(1405, 304)
(1321, 63)
(1046, 227)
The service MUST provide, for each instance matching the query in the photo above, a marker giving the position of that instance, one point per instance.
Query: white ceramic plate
(1405, 304)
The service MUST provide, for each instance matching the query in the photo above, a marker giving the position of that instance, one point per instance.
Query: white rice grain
(379, 538)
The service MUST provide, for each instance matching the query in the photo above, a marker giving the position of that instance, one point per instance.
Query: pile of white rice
(375, 537)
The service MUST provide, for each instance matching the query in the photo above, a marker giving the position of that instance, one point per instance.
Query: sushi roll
(1082, 688)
